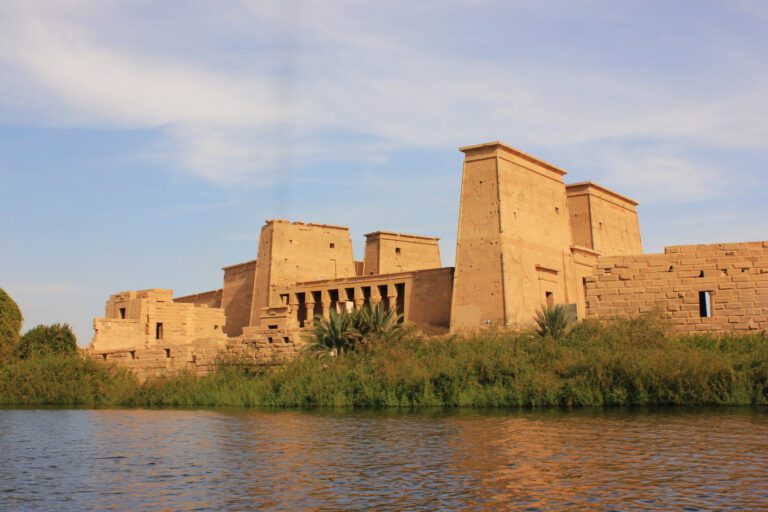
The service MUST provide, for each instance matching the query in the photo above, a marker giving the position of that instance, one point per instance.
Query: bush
(630, 362)
(48, 340)
(65, 380)
(553, 321)
(10, 325)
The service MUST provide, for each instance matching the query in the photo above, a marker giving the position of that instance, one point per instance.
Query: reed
(620, 363)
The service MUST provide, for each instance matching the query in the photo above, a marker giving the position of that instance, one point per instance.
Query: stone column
(392, 297)
(293, 303)
(310, 305)
(326, 304)
(375, 296)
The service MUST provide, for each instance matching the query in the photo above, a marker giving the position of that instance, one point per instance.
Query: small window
(133, 354)
(194, 359)
(104, 356)
(215, 327)
(286, 339)
(168, 352)
(122, 313)
(272, 327)
(705, 304)
(270, 340)
(550, 300)
(397, 250)
(333, 245)
(159, 331)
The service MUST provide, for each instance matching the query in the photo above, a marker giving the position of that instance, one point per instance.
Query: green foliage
(344, 331)
(619, 363)
(48, 340)
(378, 321)
(65, 380)
(335, 335)
(553, 321)
(10, 325)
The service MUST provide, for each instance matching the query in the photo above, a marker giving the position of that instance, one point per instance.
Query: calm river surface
(55, 459)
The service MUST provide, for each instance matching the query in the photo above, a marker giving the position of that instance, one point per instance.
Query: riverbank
(625, 362)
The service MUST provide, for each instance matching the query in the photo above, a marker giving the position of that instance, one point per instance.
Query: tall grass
(625, 362)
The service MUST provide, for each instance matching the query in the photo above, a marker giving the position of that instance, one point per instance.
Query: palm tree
(335, 335)
(553, 321)
(378, 321)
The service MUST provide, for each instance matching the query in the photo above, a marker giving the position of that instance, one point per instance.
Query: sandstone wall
(388, 253)
(734, 276)
(291, 252)
(513, 251)
(237, 296)
(146, 318)
(211, 299)
(429, 302)
(603, 220)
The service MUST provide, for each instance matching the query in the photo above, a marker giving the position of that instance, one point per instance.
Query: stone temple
(526, 240)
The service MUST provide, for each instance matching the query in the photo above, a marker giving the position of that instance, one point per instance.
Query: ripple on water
(288, 460)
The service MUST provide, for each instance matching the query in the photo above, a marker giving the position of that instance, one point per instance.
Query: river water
(129, 459)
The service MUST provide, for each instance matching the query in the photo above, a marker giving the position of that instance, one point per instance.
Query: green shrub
(617, 363)
(65, 380)
(553, 321)
(48, 340)
(10, 325)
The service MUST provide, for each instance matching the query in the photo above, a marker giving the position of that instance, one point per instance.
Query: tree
(378, 321)
(10, 325)
(334, 335)
(344, 331)
(56, 339)
(553, 321)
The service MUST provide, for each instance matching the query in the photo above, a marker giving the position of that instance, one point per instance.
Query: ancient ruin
(526, 240)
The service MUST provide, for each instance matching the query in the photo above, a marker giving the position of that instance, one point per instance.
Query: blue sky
(144, 143)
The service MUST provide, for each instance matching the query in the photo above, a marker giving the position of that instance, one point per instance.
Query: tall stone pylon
(514, 243)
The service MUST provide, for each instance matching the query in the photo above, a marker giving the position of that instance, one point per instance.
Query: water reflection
(289, 460)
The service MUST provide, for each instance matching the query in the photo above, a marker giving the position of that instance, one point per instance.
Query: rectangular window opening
(301, 312)
(397, 250)
(122, 313)
(133, 354)
(168, 352)
(550, 300)
(270, 340)
(286, 339)
(705, 304)
(383, 292)
(400, 309)
(317, 310)
(159, 331)
(334, 296)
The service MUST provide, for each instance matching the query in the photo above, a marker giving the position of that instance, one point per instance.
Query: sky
(143, 144)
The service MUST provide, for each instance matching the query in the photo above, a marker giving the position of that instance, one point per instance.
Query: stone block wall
(701, 288)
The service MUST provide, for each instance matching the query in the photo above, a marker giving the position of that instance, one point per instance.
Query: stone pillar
(392, 296)
(375, 296)
(326, 304)
(310, 305)
(293, 303)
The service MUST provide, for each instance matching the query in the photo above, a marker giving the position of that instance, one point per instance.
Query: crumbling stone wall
(702, 288)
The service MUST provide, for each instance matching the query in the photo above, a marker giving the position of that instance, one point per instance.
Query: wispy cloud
(318, 73)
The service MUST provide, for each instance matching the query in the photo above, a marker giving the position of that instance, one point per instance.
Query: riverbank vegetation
(618, 363)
